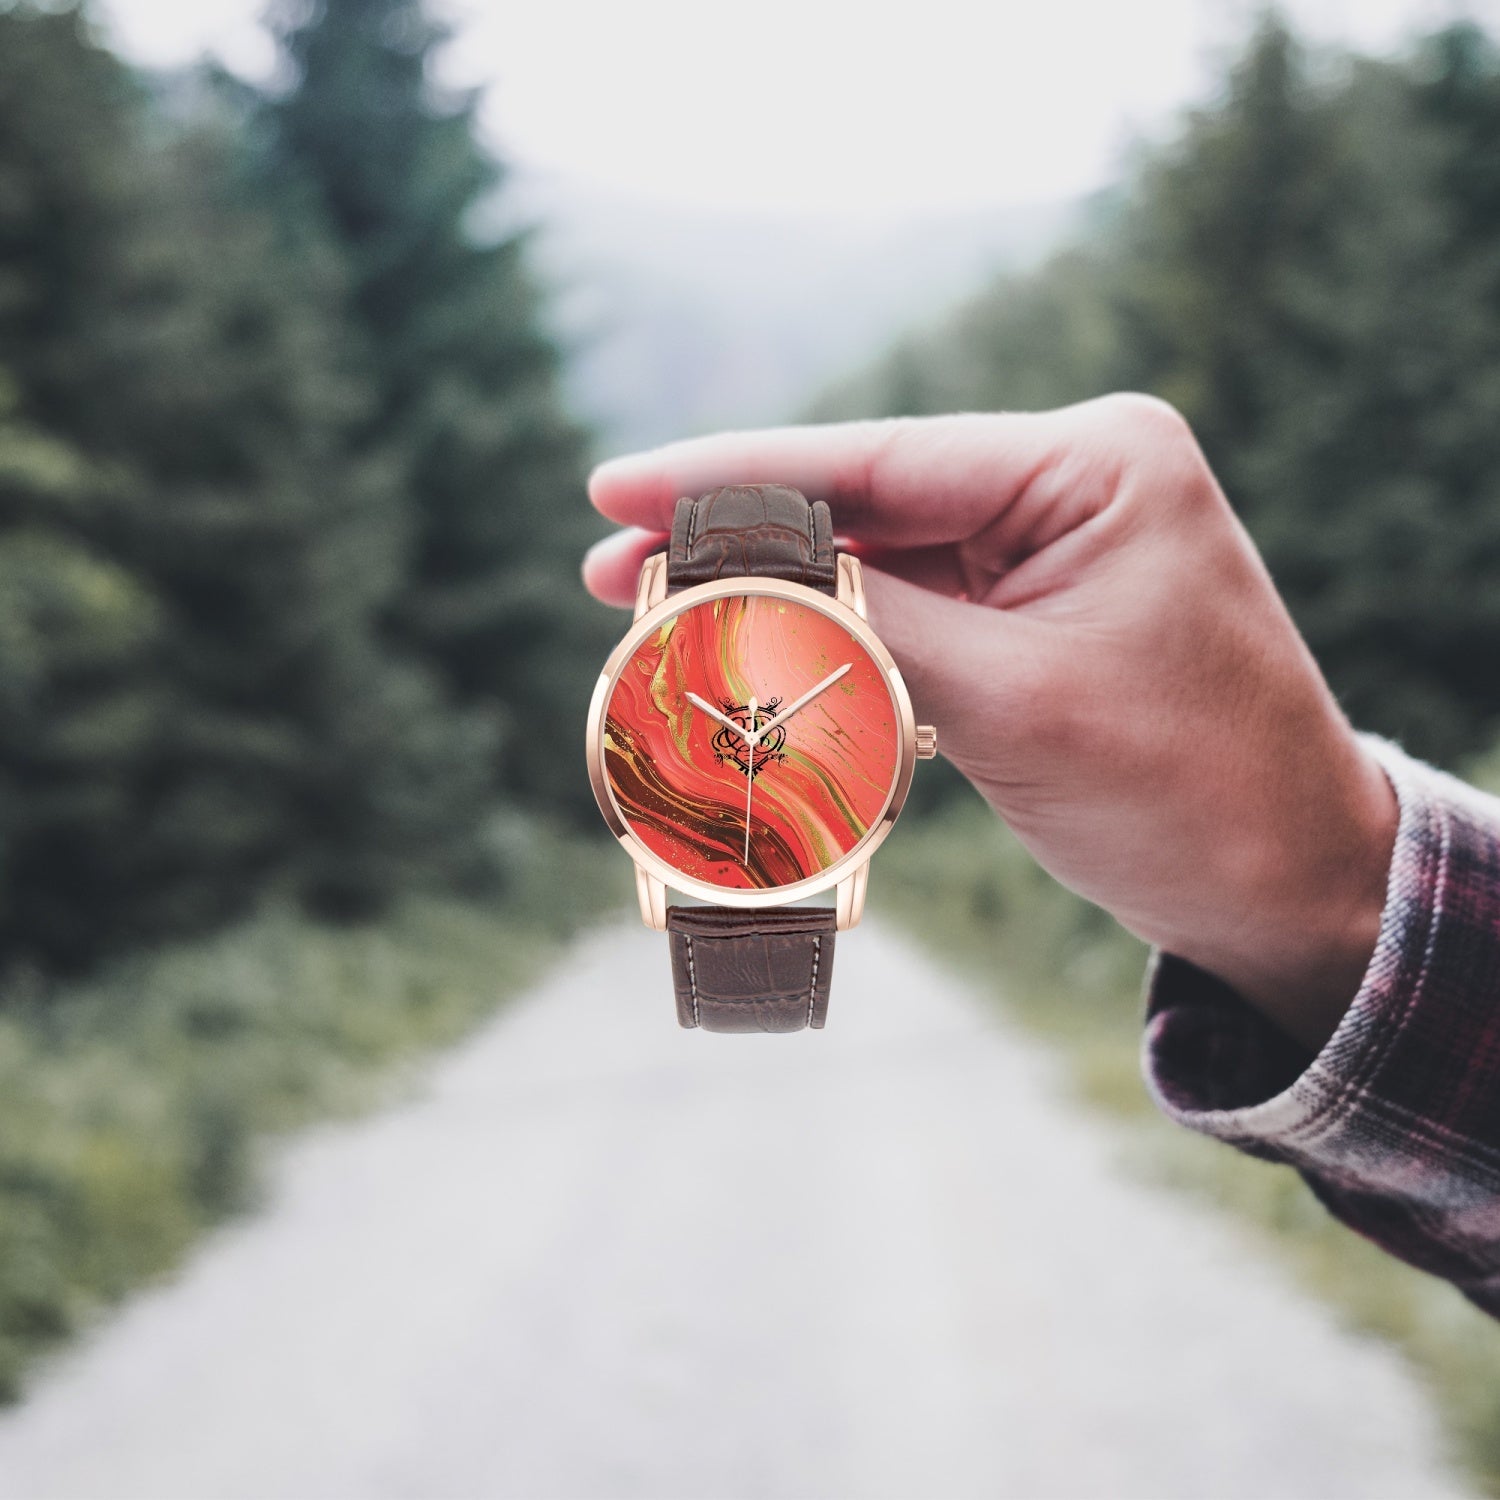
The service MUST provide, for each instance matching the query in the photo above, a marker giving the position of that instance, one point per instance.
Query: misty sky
(819, 107)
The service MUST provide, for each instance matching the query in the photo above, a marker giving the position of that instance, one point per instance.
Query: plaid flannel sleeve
(1395, 1124)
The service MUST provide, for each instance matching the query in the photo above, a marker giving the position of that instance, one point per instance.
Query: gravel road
(599, 1257)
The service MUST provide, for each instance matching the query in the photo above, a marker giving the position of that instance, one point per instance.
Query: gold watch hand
(802, 702)
(749, 779)
(714, 713)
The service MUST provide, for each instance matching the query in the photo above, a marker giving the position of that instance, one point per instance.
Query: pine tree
(467, 379)
(281, 554)
(175, 337)
(1297, 282)
(1457, 90)
(1221, 224)
(81, 707)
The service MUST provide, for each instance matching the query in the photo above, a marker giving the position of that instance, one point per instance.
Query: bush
(133, 1106)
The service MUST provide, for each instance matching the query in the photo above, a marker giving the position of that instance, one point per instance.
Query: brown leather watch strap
(765, 970)
(752, 530)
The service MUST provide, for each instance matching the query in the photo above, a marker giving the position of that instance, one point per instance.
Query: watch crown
(926, 741)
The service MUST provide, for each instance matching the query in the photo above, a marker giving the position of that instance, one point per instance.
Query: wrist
(1311, 903)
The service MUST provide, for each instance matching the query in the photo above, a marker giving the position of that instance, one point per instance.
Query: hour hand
(714, 713)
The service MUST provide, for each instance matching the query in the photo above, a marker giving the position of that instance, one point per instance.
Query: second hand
(749, 778)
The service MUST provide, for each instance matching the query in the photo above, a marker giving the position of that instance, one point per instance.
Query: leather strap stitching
(812, 988)
(692, 978)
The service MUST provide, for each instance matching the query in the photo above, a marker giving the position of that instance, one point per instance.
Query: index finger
(900, 482)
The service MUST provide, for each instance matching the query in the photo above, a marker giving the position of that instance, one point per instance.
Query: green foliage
(467, 380)
(134, 1105)
(1311, 273)
(80, 707)
(286, 493)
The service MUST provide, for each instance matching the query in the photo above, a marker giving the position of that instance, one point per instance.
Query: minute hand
(801, 702)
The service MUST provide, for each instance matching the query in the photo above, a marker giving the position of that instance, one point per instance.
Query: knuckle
(1159, 446)
(887, 447)
(855, 482)
(889, 440)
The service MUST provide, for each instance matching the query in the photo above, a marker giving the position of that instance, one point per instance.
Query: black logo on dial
(729, 746)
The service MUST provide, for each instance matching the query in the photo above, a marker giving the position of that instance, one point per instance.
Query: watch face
(750, 741)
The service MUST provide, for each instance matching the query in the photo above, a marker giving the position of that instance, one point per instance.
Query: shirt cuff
(1396, 1121)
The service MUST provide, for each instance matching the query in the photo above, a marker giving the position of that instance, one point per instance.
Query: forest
(291, 505)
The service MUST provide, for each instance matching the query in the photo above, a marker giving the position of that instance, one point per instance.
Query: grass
(134, 1107)
(963, 885)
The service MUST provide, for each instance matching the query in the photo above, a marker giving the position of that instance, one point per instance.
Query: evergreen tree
(1296, 283)
(1457, 90)
(82, 707)
(324, 759)
(467, 380)
(194, 542)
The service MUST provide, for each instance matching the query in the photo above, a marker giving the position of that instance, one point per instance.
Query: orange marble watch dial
(691, 785)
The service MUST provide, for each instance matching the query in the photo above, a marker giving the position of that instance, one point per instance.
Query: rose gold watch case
(651, 869)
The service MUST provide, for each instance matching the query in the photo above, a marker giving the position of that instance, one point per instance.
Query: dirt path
(599, 1257)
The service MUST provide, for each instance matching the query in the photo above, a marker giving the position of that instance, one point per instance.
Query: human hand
(1075, 606)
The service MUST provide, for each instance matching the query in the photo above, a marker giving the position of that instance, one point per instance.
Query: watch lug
(849, 905)
(651, 588)
(850, 584)
(652, 894)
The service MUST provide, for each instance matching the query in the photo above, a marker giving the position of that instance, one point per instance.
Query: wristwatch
(750, 743)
